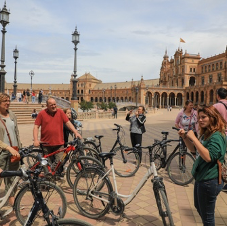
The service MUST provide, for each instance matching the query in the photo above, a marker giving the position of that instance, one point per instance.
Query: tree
(102, 105)
(111, 105)
(84, 105)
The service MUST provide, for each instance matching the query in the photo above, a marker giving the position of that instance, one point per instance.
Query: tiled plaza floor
(142, 210)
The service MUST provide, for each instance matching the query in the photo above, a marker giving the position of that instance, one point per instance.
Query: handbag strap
(219, 172)
(190, 119)
(6, 131)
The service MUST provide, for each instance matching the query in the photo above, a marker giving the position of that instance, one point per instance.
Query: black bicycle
(178, 164)
(126, 164)
(32, 177)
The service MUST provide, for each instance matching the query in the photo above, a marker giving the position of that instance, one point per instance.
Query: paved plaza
(142, 210)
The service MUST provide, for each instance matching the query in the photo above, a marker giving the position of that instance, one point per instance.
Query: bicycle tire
(130, 167)
(72, 222)
(88, 205)
(163, 207)
(31, 157)
(179, 168)
(91, 145)
(158, 151)
(87, 151)
(53, 196)
(73, 170)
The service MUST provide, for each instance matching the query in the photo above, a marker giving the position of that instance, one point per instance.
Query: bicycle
(178, 164)
(24, 197)
(94, 193)
(39, 203)
(77, 161)
(126, 165)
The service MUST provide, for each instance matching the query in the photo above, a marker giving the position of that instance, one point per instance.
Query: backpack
(74, 114)
(224, 165)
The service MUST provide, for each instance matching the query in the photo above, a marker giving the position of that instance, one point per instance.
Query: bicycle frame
(150, 171)
(63, 160)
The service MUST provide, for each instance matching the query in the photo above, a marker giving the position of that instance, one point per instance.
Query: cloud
(119, 40)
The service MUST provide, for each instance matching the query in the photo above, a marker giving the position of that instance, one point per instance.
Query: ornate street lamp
(115, 86)
(111, 88)
(103, 90)
(4, 20)
(31, 74)
(137, 89)
(15, 56)
(75, 40)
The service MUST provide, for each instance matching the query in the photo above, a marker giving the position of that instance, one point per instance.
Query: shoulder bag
(12, 158)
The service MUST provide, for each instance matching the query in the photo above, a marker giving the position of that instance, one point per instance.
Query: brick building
(182, 77)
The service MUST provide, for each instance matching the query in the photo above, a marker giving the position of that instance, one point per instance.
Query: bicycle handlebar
(11, 173)
(175, 128)
(119, 126)
(178, 129)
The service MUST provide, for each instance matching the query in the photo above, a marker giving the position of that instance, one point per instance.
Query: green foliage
(111, 105)
(102, 105)
(86, 106)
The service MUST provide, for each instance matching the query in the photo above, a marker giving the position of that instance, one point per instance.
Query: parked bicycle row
(95, 189)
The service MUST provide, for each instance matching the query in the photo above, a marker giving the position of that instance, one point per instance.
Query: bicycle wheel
(92, 199)
(158, 152)
(31, 157)
(128, 167)
(87, 151)
(72, 222)
(91, 145)
(83, 162)
(163, 207)
(179, 168)
(53, 196)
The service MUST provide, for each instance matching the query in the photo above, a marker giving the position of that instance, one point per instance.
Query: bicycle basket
(122, 136)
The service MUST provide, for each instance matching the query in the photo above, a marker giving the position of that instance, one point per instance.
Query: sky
(120, 40)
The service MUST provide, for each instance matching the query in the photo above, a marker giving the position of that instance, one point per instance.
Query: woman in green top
(210, 148)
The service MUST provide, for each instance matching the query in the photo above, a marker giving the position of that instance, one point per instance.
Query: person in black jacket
(137, 127)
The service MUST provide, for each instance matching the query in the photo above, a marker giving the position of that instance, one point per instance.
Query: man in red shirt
(51, 121)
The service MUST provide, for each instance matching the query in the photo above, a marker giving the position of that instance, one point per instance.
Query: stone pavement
(142, 210)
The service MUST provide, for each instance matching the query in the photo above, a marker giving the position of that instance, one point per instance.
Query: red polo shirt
(51, 127)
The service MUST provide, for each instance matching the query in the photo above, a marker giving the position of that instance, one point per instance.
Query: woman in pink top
(187, 119)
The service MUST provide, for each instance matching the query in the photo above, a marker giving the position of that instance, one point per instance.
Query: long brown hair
(217, 122)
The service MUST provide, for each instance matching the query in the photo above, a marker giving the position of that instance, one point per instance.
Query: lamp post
(115, 86)
(4, 20)
(137, 95)
(103, 90)
(147, 99)
(111, 88)
(15, 56)
(75, 40)
(31, 74)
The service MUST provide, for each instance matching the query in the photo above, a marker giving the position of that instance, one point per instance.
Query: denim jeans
(33, 99)
(205, 196)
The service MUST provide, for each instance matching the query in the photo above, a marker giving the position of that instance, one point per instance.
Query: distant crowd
(27, 96)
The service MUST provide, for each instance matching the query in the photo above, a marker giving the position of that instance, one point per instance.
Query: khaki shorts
(5, 164)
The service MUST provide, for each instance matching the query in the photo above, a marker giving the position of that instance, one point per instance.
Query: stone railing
(106, 114)
(60, 102)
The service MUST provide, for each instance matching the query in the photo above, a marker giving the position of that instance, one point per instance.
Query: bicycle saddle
(165, 133)
(98, 137)
(106, 155)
